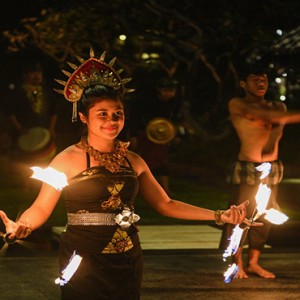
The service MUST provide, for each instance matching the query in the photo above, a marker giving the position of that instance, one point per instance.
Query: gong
(160, 131)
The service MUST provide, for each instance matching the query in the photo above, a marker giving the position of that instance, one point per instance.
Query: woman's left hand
(237, 215)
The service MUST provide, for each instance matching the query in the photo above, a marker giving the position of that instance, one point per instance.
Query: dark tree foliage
(201, 42)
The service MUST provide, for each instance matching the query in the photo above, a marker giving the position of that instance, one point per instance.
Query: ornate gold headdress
(91, 72)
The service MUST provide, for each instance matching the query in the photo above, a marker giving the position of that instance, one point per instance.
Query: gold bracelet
(218, 214)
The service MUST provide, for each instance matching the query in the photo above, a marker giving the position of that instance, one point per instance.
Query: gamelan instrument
(37, 144)
(160, 130)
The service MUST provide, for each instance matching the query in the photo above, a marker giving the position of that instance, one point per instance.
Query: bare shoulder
(279, 105)
(137, 162)
(235, 99)
(71, 161)
(236, 104)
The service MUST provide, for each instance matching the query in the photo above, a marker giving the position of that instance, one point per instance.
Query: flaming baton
(70, 269)
(239, 234)
(58, 180)
(49, 175)
(262, 197)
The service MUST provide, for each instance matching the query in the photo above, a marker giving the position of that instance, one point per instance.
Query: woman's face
(105, 119)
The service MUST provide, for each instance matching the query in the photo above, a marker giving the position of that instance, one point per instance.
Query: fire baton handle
(8, 240)
(246, 229)
(243, 238)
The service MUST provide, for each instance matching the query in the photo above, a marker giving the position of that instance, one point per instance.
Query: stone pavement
(177, 273)
(174, 237)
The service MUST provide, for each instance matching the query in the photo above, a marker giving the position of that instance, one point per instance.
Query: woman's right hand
(14, 230)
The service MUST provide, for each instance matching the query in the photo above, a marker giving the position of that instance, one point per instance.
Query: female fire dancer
(104, 178)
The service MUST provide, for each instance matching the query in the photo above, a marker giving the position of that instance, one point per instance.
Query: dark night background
(200, 43)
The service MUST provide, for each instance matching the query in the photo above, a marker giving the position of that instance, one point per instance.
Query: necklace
(111, 161)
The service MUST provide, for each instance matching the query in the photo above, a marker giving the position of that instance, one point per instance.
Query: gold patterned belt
(124, 219)
(86, 219)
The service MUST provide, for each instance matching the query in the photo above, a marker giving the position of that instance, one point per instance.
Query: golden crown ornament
(91, 72)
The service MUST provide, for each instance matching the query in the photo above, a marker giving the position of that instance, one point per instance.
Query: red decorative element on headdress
(92, 72)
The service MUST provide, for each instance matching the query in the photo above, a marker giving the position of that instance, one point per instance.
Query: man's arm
(278, 115)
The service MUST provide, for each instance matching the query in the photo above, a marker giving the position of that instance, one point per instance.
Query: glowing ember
(275, 216)
(70, 270)
(231, 273)
(234, 242)
(51, 176)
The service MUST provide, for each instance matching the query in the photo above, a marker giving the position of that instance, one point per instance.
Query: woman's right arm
(35, 216)
(39, 212)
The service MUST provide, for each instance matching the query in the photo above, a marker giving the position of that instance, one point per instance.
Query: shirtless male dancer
(259, 125)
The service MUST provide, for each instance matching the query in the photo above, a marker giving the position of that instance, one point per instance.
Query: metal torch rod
(246, 229)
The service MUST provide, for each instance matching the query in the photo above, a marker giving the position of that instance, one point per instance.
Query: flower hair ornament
(91, 72)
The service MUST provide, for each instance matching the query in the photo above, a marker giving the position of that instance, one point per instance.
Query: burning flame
(262, 199)
(231, 273)
(275, 216)
(234, 242)
(51, 176)
(265, 169)
(272, 215)
(70, 270)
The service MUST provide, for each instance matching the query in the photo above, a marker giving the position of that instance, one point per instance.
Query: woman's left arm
(155, 195)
